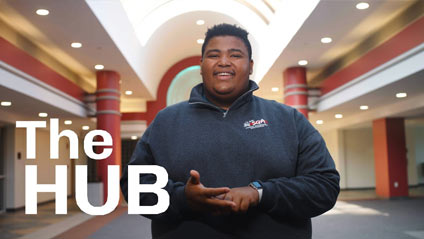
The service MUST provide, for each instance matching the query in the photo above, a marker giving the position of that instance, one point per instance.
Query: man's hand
(204, 199)
(243, 197)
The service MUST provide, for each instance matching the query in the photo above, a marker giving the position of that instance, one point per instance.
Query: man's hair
(225, 29)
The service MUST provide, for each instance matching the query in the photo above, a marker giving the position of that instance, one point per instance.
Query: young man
(239, 166)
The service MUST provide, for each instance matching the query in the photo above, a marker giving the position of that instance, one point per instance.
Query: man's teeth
(224, 74)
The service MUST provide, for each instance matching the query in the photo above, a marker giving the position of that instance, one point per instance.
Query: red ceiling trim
(153, 107)
(405, 40)
(21, 60)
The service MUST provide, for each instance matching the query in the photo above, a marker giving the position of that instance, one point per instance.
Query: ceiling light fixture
(133, 137)
(128, 92)
(401, 95)
(85, 127)
(200, 22)
(6, 103)
(42, 12)
(302, 62)
(200, 41)
(363, 107)
(76, 45)
(275, 89)
(42, 115)
(99, 67)
(320, 121)
(362, 5)
(338, 116)
(68, 122)
(326, 40)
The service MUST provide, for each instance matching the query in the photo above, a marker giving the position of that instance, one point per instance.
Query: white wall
(359, 154)
(45, 165)
(415, 145)
(9, 154)
(411, 155)
(352, 151)
(15, 142)
(334, 140)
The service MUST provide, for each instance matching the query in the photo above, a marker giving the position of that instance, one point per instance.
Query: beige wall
(352, 151)
(359, 155)
(415, 147)
(16, 143)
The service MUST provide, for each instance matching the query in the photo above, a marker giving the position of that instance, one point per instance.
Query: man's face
(225, 68)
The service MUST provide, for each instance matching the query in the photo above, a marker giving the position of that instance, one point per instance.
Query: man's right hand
(202, 199)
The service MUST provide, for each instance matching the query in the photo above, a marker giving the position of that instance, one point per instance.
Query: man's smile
(224, 75)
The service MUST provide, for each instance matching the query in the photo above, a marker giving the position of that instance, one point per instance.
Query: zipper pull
(225, 113)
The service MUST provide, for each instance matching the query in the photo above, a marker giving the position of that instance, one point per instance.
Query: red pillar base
(390, 157)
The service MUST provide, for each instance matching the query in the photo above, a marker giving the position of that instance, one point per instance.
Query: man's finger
(212, 192)
(244, 205)
(217, 203)
(194, 177)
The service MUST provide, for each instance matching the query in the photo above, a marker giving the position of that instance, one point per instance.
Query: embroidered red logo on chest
(253, 124)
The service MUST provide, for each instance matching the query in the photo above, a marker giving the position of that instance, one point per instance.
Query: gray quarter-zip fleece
(255, 140)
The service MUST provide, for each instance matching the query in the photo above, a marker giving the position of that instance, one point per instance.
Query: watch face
(257, 185)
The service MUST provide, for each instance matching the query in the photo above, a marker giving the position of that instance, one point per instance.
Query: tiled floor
(18, 224)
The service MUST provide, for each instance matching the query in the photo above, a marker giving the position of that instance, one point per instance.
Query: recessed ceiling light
(85, 127)
(275, 89)
(42, 115)
(128, 92)
(200, 41)
(326, 40)
(133, 137)
(401, 95)
(76, 45)
(338, 116)
(362, 5)
(99, 67)
(200, 22)
(42, 12)
(320, 121)
(363, 107)
(302, 62)
(68, 122)
(6, 103)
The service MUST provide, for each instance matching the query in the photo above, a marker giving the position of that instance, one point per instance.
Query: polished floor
(357, 214)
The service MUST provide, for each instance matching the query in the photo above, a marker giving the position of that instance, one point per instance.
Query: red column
(295, 89)
(108, 119)
(390, 157)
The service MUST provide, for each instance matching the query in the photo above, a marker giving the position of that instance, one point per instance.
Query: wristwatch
(258, 186)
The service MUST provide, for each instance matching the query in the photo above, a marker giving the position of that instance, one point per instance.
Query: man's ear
(201, 61)
(251, 67)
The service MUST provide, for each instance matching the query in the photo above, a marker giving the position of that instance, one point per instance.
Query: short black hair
(225, 29)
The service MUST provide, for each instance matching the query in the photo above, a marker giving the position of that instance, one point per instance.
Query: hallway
(357, 214)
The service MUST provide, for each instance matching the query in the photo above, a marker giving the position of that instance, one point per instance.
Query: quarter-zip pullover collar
(197, 96)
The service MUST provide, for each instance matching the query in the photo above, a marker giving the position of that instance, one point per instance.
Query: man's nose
(224, 61)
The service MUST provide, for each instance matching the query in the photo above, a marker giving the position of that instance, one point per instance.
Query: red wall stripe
(153, 107)
(21, 60)
(408, 38)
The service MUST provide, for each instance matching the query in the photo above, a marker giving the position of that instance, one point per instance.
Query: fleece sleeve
(314, 188)
(143, 156)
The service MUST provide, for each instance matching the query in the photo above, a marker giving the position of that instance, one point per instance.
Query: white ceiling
(175, 39)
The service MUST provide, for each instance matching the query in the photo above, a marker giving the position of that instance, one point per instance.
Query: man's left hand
(243, 197)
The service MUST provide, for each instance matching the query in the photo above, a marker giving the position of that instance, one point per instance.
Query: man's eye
(236, 56)
(213, 56)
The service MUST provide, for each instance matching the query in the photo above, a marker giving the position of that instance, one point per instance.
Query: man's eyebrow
(212, 50)
(236, 49)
